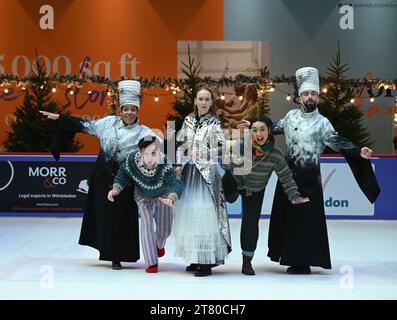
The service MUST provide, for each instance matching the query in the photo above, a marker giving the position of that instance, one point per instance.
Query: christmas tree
(31, 131)
(263, 107)
(335, 104)
(184, 104)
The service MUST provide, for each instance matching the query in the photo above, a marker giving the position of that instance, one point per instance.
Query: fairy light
(23, 85)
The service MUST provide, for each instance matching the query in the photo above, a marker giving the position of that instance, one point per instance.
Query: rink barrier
(35, 185)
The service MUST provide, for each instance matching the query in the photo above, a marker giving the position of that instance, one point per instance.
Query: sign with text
(45, 187)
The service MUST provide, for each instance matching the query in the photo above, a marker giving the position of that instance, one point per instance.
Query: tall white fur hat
(307, 79)
(129, 93)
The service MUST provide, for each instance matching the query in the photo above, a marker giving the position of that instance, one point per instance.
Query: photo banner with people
(139, 40)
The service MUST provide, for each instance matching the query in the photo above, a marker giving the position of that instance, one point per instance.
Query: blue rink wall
(36, 185)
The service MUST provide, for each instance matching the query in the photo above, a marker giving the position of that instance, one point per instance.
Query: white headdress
(130, 93)
(307, 79)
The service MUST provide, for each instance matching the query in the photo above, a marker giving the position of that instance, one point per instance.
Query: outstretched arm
(357, 158)
(287, 180)
(65, 129)
(120, 181)
(174, 186)
(343, 145)
(123, 177)
(76, 124)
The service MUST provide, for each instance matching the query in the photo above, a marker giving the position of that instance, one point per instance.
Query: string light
(176, 89)
(69, 90)
(266, 85)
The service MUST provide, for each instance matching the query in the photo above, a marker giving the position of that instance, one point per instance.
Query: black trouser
(252, 206)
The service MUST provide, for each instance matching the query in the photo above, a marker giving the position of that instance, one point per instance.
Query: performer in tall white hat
(109, 227)
(298, 234)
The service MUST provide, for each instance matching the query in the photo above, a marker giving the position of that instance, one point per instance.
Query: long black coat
(110, 227)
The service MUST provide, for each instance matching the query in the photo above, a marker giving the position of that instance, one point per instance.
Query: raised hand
(168, 202)
(49, 115)
(366, 152)
(178, 171)
(300, 200)
(113, 193)
(243, 124)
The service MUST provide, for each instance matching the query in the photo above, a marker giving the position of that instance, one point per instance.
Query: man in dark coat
(298, 234)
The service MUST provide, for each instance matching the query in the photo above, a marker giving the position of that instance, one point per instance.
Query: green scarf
(265, 149)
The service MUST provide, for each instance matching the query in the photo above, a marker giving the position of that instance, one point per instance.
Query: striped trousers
(156, 222)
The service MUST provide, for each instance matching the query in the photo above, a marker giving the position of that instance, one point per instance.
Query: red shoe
(152, 269)
(160, 252)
